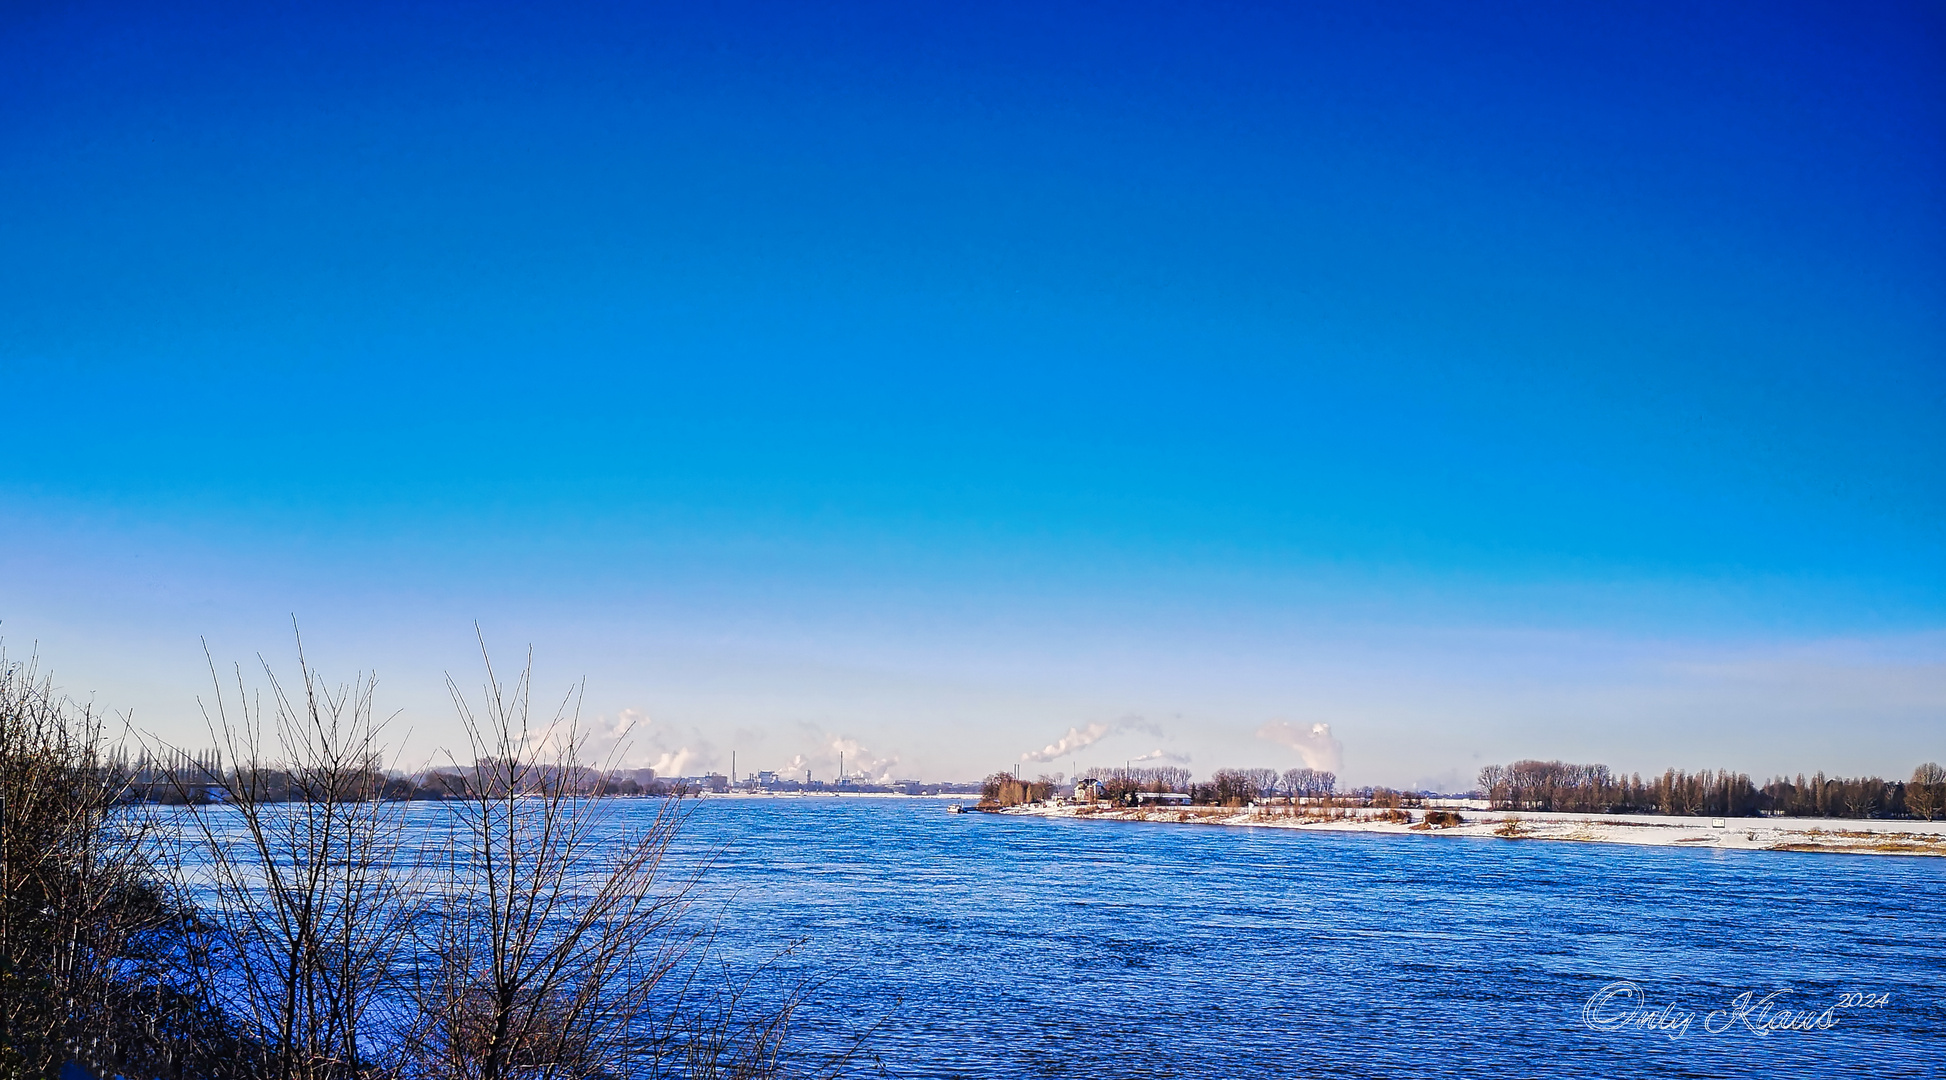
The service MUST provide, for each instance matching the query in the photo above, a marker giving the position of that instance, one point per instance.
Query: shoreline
(960, 797)
(1834, 835)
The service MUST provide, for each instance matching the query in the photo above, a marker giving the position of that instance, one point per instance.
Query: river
(977, 945)
(991, 946)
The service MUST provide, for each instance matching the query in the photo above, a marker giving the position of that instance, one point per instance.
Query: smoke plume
(1081, 738)
(1315, 744)
(1159, 754)
(860, 763)
(630, 740)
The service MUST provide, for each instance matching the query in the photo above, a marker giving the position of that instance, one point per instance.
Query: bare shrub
(554, 947)
(91, 950)
(1002, 789)
(311, 894)
(296, 935)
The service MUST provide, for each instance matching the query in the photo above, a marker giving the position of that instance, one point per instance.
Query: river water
(977, 945)
(990, 946)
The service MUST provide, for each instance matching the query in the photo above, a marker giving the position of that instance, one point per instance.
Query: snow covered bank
(1867, 837)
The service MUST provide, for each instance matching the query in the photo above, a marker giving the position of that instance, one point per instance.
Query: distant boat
(956, 809)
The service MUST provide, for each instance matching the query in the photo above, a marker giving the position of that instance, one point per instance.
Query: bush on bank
(536, 946)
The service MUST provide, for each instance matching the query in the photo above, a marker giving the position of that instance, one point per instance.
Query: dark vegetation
(286, 925)
(1006, 789)
(1540, 786)
(1225, 787)
(173, 778)
(95, 949)
(1559, 786)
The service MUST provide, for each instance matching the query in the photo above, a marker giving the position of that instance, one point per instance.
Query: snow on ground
(1749, 834)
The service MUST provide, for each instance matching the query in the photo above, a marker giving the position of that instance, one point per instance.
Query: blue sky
(1483, 382)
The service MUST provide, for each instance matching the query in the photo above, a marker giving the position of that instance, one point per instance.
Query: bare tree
(1234, 787)
(549, 931)
(1309, 783)
(1925, 796)
(91, 947)
(541, 943)
(310, 895)
(1002, 789)
(1262, 782)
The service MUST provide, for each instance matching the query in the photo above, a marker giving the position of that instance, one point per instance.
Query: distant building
(1456, 803)
(1161, 798)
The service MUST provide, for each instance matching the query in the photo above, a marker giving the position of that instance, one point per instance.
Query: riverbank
(1852, 836)
(947, 796)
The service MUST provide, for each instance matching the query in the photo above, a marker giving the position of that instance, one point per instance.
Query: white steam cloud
(1159, 754)
(1315, 744)
(630, 740)
(1081, 738)
(859, 762)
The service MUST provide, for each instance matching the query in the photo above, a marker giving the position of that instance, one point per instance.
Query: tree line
(1570, 788)
(1237, 787)
(1541, 786)
(175, 777)
(1225, 787)
(302, 932)
(1006, 789)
